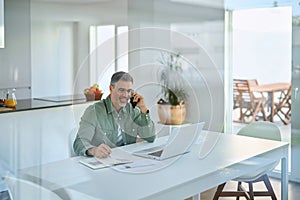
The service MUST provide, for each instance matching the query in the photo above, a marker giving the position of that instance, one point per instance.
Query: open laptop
(179, 143)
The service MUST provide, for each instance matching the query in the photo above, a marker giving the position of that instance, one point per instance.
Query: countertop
(45, 102)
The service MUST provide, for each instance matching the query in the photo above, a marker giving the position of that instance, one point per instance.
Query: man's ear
(110, 88)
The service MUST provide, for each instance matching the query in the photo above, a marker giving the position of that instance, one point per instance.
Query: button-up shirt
(100, 121)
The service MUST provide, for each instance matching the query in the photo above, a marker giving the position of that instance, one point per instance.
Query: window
(107, 53)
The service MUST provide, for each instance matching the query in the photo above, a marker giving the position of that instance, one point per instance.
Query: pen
(136, 166)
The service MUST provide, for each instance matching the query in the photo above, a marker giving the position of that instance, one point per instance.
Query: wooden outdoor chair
(283, 106)
(247, 102)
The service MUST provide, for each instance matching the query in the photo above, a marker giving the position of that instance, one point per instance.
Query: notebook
(180, 140)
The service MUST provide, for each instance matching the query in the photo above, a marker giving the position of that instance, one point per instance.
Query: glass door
(285, 37)
(295, 128)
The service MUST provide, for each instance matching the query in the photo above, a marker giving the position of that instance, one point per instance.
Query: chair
(248, 103)
(72, 136)
(283, 107)
(19, 189)
(264, 130)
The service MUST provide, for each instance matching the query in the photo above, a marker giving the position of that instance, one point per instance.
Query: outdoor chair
(283, 107)
(248, 103)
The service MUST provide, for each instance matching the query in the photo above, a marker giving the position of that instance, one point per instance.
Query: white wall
(60, 43)
(15, 63)
(52, 58)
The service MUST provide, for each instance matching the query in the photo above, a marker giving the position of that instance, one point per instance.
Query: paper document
(117, 157)
(141, 165)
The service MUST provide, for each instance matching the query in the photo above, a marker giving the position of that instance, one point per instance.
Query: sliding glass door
(262, 44)
(295, 128)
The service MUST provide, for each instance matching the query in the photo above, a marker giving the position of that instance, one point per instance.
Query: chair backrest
(72, 136)
(264, 130)
(261, 129)
(19, 189)
(241, 92)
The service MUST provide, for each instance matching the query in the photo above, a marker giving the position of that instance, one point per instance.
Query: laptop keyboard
(157, 153)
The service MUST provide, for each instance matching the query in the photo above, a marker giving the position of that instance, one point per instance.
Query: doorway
(260, 48)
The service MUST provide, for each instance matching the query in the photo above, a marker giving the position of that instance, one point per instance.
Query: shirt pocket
(108, 136)
(130, 129)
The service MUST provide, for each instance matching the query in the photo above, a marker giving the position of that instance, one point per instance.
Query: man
(113, 121)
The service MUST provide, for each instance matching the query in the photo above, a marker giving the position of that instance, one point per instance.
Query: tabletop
(225, 157)
(270, 87)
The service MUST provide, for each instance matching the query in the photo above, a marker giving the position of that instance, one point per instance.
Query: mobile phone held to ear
(133, 103)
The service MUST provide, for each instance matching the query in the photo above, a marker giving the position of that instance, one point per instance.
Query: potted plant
(171, 105)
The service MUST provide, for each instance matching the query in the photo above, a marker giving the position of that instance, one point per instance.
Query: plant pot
(171, 114)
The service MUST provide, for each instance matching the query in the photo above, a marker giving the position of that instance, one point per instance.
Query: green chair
(264, 130)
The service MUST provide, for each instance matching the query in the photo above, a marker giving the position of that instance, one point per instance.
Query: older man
(113, 121)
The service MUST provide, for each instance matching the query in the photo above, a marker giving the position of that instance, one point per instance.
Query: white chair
(72, 136)
(70, 194)
(265, 130)
(19, 189)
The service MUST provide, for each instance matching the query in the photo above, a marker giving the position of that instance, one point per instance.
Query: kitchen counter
(39, 131)
(45, 102)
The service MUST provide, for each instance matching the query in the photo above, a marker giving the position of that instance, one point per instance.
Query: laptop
(180, 141)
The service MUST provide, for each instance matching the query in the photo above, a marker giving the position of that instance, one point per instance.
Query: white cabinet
(38, 136)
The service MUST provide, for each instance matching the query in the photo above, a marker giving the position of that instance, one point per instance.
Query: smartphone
(133, 103)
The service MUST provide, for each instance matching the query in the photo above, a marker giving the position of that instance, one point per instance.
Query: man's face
(120, 93)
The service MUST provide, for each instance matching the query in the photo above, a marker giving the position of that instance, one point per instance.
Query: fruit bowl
(93, 93)
(93, 97)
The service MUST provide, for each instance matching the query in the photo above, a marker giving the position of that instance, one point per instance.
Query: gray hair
(123, 76)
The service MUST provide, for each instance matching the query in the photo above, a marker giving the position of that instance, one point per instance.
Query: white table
(231, 157)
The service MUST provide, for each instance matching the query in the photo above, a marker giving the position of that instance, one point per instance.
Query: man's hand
(101, 151)
(140, 102)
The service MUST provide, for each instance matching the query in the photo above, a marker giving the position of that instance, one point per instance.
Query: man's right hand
(101, 151)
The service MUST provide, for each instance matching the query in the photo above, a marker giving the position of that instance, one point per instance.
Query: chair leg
(243, 191)
(251, 193)
(256, 110)
(264, 112)
(219, 191)
(269, 187)
(239, 189)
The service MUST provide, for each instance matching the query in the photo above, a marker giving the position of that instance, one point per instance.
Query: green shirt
(100, 124)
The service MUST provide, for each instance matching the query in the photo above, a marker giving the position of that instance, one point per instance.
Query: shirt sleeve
(146, 128)
(85, 132)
